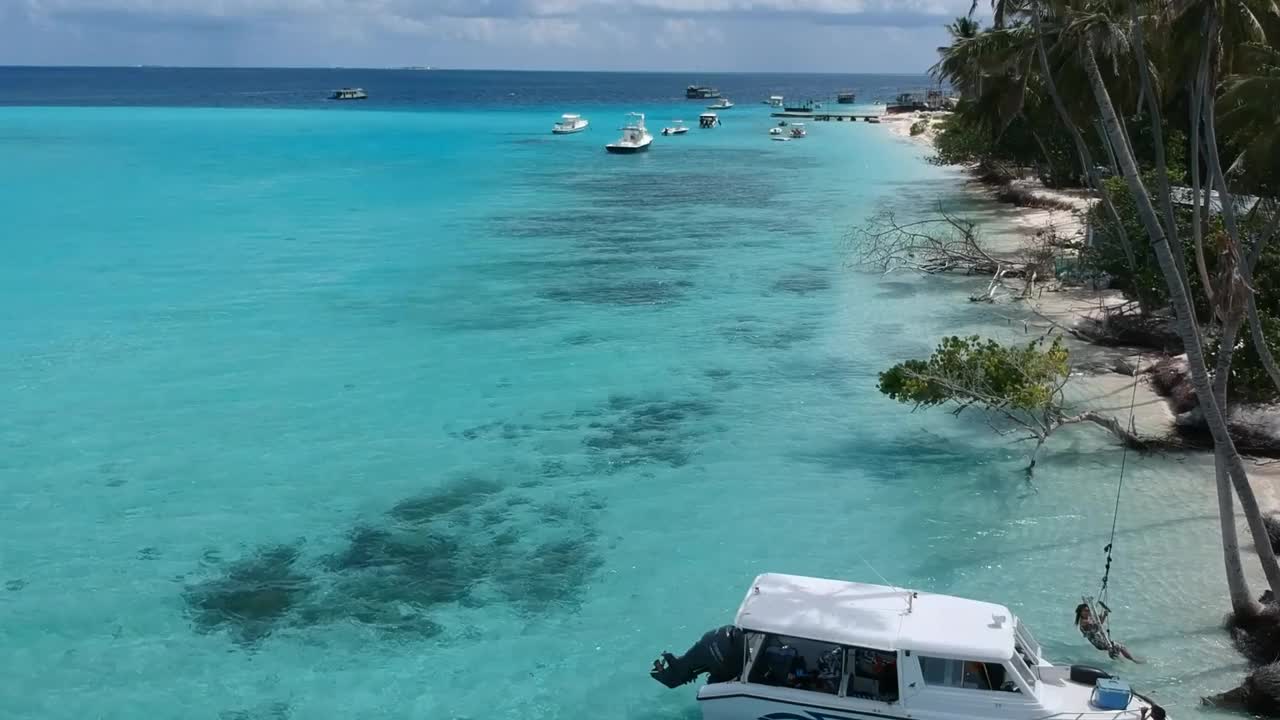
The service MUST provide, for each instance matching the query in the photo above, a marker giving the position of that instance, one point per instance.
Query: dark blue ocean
(407, 408)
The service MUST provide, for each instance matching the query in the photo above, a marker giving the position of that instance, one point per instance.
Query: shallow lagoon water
(432, 414)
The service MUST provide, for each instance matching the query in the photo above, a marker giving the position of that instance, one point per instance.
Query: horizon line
(432, 68)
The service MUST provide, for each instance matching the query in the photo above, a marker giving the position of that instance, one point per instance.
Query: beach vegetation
(1016, 387)
(1169, 109)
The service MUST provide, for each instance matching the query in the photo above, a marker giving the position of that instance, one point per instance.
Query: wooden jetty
(825, 116)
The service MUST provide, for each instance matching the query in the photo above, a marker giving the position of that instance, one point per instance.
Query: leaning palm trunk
(1255, 322)
(1157, 135)
(1082, 148)
(1242, 603)
(1185, 322)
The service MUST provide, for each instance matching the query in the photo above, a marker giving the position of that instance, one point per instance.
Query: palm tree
(1096, 31)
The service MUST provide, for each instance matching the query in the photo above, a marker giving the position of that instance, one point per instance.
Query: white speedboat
(804, 648)
(721, 104)
(775, 131)
(635, 138)
(775, 101)
(708, 120)
(349, 94)
(569, 123)
(797, 131)
(677, 128)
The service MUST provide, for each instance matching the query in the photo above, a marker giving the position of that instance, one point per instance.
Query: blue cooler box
(1111, 694)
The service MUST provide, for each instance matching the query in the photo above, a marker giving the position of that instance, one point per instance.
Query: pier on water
(828, 116)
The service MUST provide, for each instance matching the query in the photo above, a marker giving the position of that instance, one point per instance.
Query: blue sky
(708, 35)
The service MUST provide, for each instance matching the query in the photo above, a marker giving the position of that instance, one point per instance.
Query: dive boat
(708, 120)
(721, 104)
(808, 648)
(845, 98)
(349, 94)
(569, 123)
(701, 92)
(775, 101)
(635, 138)
(677, 128)
(797, 131)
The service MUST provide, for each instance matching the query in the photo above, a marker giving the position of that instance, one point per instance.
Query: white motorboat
(775, 101)
(349, 94)
(797, 130)
(708, 120)
(569, 123)
(775, 131)
(635, 138)
(721, 104)
(677, 128)
(804, 647)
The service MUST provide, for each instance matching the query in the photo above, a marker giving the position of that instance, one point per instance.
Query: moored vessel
(803, 647)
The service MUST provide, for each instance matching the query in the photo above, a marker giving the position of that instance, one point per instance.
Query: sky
(871, 36)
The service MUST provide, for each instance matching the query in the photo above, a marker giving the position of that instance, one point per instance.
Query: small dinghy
(805, 647)
(677, 128)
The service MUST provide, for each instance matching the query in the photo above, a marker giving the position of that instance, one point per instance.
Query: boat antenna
(1115, 514)
(910, 595)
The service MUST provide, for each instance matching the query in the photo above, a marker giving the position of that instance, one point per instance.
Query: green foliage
(1249, 380)
(918, 127)
(982, 372)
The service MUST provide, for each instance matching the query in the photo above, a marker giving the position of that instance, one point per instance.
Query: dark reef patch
(472, 542)
(631, 431)
(15, 585)
(620, 292)
(269, 711)
(805, 282)
(252, 597)
(756, 333)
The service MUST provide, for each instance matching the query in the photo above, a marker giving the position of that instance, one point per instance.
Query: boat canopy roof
(570, 116)
(707, 114)
(878, 617)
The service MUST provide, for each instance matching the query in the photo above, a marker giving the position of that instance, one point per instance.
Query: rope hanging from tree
(1115, 517)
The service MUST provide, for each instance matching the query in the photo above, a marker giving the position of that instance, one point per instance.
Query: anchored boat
(349, 94)
(635, 138)
(805, 648)
(569, 123)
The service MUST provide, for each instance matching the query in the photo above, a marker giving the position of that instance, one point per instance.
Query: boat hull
(627, 149)
(567, 131)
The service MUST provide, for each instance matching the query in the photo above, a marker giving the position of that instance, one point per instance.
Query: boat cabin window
(873, 675)
(797, 663)
(967, 674)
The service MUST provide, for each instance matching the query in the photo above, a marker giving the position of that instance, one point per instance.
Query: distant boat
(635, 138)
(677, 128)
(775, 101)
(569, 123)
(701, 92)
(797, 130)
(845, 98)
(349, 94)
(721, 104)
(708, 120)
(775, 131)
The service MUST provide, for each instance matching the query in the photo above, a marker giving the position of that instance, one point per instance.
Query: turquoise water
(431, 414)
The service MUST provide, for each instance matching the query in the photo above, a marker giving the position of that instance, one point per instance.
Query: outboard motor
(719, 654)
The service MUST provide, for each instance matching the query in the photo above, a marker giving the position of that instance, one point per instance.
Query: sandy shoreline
(1094, 383)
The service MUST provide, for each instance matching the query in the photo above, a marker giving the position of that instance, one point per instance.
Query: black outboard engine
(1087, 674)
(719, 654)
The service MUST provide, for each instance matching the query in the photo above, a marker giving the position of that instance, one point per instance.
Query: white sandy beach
(1095, 384)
